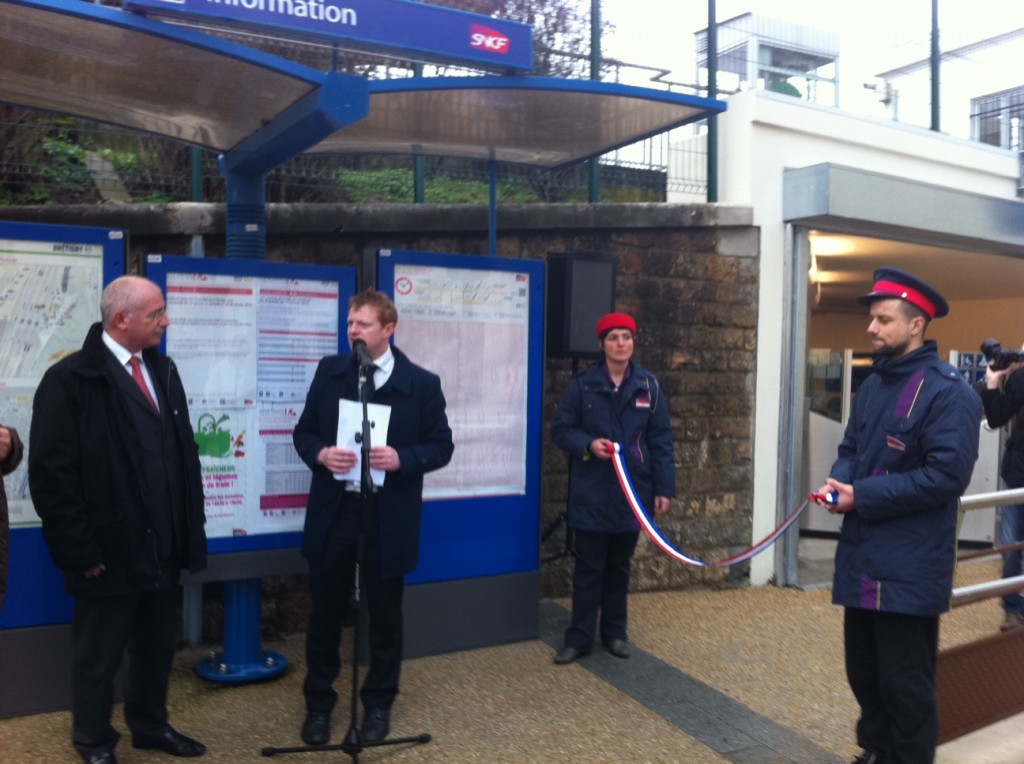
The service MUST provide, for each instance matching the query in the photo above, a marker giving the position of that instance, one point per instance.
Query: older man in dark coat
(115, 477)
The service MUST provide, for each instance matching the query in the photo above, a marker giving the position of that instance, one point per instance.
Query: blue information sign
(435, 33)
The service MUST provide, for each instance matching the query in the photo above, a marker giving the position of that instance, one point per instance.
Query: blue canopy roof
(257, 109)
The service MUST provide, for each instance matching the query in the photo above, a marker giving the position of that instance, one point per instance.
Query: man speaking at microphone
(418, 441)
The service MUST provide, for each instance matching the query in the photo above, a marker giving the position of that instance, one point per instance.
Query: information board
(52, 277)
(247, 336)
(477, 322)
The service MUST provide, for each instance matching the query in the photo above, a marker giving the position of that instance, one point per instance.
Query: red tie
(136, 365)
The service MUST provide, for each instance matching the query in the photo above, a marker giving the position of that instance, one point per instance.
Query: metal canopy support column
(341, 100)
(246, 216)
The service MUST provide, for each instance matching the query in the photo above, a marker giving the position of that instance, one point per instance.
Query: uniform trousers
(600, 584)
(104, 628)
(331, 585)
(890, 664)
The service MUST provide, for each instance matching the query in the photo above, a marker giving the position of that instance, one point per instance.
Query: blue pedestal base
(216, 668)
(242, 659)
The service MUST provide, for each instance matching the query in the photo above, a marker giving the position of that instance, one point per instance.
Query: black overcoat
(418, 430)
(86, 473)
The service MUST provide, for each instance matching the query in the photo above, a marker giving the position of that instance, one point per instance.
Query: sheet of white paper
(350, 423)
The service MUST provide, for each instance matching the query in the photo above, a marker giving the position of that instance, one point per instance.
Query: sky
(874, 35)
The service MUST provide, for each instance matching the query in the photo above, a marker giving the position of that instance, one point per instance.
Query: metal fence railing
(965, 595)
(48, 160)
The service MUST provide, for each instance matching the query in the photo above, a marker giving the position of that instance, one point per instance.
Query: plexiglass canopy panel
(112, 66)
(525, 120)
(104, 64)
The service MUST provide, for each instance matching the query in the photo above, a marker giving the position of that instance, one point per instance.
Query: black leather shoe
(618, 647)
(568, 655)
(316, 730)
(107, 757)
(376, 724)
(866, 757)
(170, 741)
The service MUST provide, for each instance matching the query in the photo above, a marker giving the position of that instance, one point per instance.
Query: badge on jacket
(643, 400)
(895, 443)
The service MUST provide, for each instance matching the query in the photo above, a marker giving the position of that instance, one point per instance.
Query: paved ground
(744, 676)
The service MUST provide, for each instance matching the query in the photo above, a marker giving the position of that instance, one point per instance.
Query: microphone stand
(353, 744)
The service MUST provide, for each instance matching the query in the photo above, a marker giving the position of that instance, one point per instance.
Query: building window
(998, 119)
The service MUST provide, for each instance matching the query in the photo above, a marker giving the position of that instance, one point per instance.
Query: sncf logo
(485, 38)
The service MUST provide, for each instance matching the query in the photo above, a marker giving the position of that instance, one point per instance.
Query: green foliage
(396, 185)
(121, 159)
(443, 190)
(64, 166)
(374, 186)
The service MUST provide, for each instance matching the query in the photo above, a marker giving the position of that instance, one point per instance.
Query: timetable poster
(471, 327)
(50, 298)
(247, 348)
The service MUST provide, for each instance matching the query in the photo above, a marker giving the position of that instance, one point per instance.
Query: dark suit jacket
(418, 430)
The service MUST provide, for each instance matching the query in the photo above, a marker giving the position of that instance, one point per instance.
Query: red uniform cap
(892, 283)
(610, 321)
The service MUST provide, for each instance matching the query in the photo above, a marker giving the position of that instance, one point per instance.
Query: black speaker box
(581, 289)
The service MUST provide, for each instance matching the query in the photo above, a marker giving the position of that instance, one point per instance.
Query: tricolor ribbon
(655, 534)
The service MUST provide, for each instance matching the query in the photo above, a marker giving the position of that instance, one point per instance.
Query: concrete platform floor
(750, 676)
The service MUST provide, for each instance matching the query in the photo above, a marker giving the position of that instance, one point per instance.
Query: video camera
(998, 358)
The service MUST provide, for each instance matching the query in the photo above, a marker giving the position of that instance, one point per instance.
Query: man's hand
(95, 572)
(385, 458)
(994, 380)
(5, 443)
(337, 460)
(845, 501)
(661, 504)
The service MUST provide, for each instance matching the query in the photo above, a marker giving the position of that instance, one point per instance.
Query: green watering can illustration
(211, 439)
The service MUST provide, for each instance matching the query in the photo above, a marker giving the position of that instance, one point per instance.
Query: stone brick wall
(687, 273)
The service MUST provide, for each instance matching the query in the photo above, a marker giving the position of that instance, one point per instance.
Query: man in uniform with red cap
(905, 460)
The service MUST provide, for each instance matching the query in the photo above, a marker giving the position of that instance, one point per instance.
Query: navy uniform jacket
(638, 419)
(909, 451)
(418, 430)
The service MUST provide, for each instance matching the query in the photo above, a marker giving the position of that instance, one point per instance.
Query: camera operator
(1003, 399)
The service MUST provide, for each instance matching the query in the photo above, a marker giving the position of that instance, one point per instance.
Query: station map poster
(52, 277)
(247, 337)
(477, 322)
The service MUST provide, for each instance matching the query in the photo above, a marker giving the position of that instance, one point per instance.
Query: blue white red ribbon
(655, 534)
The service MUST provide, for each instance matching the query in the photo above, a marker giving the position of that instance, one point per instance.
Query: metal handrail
(992, 499)
(965, 595)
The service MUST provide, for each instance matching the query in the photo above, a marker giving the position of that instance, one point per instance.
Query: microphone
(359, 348)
